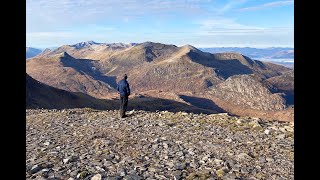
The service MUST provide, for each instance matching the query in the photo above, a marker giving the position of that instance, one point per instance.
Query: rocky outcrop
(283, 82)
(89, 144)
(249, 91)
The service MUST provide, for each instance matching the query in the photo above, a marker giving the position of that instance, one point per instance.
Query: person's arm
(118, 87)
(128, 89)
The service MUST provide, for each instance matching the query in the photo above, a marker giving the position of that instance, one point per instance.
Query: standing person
(124, 91)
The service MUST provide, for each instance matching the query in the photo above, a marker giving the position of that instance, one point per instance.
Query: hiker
(124, 91)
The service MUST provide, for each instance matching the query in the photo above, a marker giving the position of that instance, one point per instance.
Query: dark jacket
(123, 87)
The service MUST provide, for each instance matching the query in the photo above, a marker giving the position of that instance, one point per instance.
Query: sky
(200, 23)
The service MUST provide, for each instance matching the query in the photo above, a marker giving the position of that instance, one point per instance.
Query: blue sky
(201, 23)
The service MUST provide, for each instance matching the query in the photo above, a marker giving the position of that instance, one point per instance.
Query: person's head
(125, 76)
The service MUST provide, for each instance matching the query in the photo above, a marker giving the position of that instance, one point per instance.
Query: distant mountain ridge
(31, 52)
(268, 53)
(275, 52)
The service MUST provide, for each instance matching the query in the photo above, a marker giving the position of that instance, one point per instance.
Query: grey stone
(133, 177)
(244, 170)
(109, 157)
(180, 153)
(281, 136)
(269, 159)
(262, 159)
(122, 172)
(180, 166)
(74, 173)
(35, 169)
(229, 177)
(96, 177)
(177, 175)
(66, 160)
(114, 178)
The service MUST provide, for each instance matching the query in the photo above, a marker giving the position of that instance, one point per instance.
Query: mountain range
(272, 53)
(266, 53)
(215, 82)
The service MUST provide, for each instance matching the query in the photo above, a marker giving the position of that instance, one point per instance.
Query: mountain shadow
(202, 103)
(158, 104)
(224, 67)
(232, 67)
(110, 80)
(40, 95)
(87, 66)
(289, 96)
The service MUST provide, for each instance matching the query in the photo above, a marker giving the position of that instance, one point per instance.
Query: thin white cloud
(45, 15)
(229, 27)
(222, 26)
(267, 5)
(230, 5)
(83, 10)
(59, 15)
(50, 34)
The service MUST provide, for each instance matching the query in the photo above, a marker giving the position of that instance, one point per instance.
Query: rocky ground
(90, 144)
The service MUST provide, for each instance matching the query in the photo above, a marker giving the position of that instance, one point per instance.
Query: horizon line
(197, 46)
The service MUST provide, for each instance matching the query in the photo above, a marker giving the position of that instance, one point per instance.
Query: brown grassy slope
(65, 72)
(153, 66)
(174, 74)
(131, 58)
(170, 68)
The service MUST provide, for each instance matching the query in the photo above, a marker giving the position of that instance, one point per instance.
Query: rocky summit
(95, 144)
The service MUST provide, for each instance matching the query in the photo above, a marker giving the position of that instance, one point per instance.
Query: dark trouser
(123, 105)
